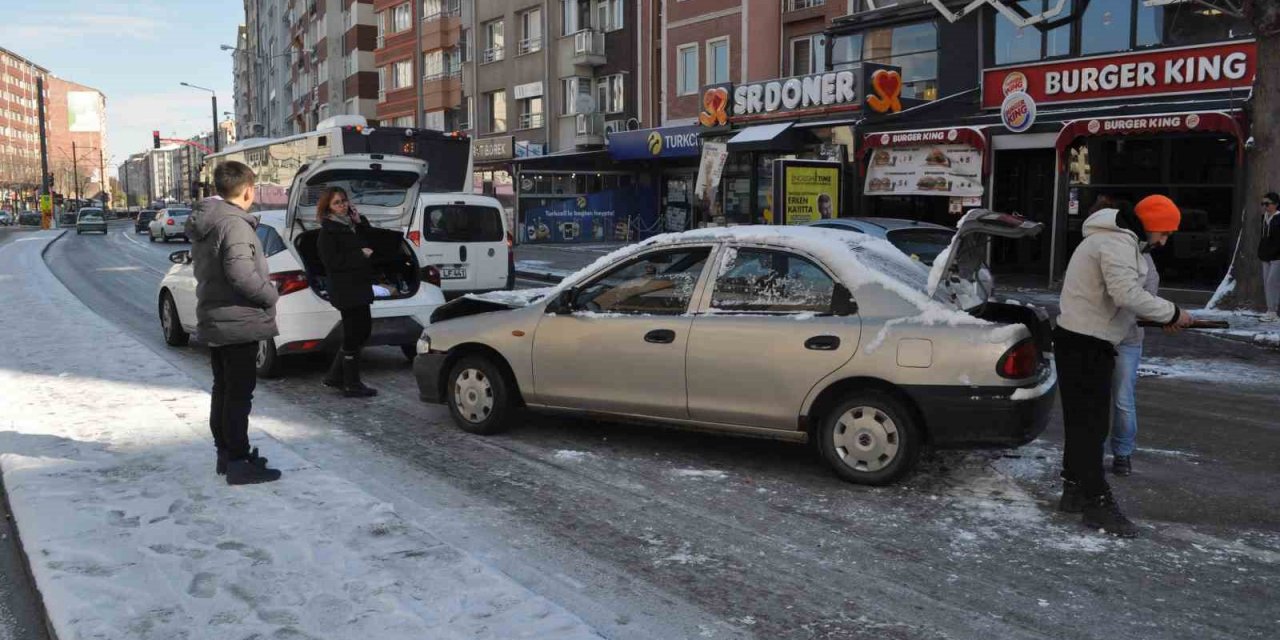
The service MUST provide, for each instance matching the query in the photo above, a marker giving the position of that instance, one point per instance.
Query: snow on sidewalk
(131, 535)
(1246, 326)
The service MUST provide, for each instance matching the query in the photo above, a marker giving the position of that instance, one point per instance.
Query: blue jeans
(1124, 414)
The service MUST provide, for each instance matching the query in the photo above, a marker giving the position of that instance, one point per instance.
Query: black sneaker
(1121, 465)
(247, 471)
(221, 467)
(1072, 498)
(1103, 512)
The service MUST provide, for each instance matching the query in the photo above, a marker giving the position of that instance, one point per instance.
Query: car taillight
(289, 281)
(416, 238)
(431, 275)
(511, 240)
(1020, 361)
(169, 222)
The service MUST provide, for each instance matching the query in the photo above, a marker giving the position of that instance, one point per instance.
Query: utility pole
(75, 170)
(44, 158)
(104, 181)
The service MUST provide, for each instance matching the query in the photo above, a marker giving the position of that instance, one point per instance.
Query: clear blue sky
(135, 52)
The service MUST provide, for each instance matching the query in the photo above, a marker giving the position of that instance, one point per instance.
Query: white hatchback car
(169, 223)
(307, 322)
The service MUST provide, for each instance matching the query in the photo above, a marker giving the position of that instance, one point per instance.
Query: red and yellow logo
(715, 107)
(1015, 81)
(887, 86)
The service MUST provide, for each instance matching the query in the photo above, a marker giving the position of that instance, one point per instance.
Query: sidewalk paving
(107, 460)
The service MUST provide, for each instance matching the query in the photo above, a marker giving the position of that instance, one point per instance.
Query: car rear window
(146, 216)
(925, 244)
(179, 213)
(90, 215)
(463, 223)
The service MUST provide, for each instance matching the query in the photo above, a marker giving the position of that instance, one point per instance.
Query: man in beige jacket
(1102, 296)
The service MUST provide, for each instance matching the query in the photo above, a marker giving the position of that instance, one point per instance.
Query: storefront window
(914, 48)
(846, 51)
(1024, 44)
(1105, 26)
(1189, 24)
(1150, 23)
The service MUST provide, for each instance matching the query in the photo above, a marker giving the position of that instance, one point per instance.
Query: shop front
(492, 172)
(802, 118)
(582, 198)
(669, 155)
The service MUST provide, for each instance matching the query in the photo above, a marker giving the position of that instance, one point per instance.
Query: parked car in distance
(168, 224)
(792, 333)
(921, 240)
(67, 219)
(142, 221)
(6, 218)
(306, 320)
(29, 218)
(91, 220)
(464, 237)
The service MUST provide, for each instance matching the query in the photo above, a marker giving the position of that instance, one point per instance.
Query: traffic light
(155, 139)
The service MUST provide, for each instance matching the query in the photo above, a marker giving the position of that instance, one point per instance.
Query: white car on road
(383, 190)
(169, 223)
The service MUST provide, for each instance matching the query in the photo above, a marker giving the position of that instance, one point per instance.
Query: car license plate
(453, 272)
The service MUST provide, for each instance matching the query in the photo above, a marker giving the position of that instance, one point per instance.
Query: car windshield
(463, 223)
(924, 244)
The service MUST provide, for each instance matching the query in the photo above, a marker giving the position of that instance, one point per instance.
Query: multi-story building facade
(19, 126)
(166, 176)
(302, 61)
(77, 133)
(134, 175)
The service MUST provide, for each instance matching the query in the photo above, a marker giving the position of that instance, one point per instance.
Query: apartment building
(77, 130)
(265, 58)
(19, 123)
(134, 175)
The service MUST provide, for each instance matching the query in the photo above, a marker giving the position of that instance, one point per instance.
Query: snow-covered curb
(131, 535)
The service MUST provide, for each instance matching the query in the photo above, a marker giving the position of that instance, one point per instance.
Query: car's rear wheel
(870, 438)
(151, 236)
(268, 361)
(479, 397)
(174, 334)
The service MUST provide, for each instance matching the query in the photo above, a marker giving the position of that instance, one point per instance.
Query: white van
(462, 240)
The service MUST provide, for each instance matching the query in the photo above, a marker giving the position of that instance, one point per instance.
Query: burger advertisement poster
(925, 170)
(806, 190)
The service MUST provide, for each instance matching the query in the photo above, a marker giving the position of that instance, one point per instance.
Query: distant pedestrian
(1124, 415)
(1269, 254)
(1101, 296)
(235, 311)
(345, 253)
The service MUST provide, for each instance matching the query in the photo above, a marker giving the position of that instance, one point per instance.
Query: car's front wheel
(174, 334)
(268, 360)
(870, 438)
(479, 397)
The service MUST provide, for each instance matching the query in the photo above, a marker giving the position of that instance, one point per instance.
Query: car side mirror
(565, 302)
(842, 303)
(180, 257)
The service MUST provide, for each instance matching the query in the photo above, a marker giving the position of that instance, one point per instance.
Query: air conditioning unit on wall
(614, 126)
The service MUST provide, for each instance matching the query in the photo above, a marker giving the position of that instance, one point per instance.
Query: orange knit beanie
(1158, 214)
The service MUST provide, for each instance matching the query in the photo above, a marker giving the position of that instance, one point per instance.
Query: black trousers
(235, 375)
(356, 326)
(1085, 365)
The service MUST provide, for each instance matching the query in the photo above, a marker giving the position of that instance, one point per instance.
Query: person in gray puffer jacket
(235, 311)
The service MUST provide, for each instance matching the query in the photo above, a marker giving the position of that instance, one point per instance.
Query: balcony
(588, 48)
(442, 32)
(530, 121)
(529, 45)
(442, 91)
(492, 54)
(589, 130)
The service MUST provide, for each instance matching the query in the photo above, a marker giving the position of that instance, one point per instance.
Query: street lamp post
(214, 97)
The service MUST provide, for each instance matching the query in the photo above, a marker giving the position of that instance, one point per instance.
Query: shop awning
(781, 136)
(1199, 122)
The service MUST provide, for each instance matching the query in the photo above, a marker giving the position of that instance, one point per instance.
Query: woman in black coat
(345, 254)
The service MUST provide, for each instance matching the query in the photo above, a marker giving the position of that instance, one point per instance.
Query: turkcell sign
(816, 91)
(663, 142)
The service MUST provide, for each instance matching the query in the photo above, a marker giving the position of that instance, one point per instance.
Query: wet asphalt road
(655, 533)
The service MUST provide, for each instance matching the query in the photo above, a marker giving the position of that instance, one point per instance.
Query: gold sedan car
(782, 332)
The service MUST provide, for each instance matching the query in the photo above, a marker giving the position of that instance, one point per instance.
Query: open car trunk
(961, 276)
(395, 266)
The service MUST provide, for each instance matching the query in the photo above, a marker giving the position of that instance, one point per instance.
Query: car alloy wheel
(174, 334)
(866, 439)
(473, 395)
(267, 361)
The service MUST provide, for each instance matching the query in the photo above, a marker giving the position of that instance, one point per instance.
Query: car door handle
(660, 336)
(822, 343)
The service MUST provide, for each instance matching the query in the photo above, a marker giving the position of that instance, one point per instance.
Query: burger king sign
(1018, 111)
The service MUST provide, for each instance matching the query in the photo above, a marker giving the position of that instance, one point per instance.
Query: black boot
(248, 471)
(1072, 498)
(221, 467)
(1103, 512)
(352, 387)
(1121, 465)
(334, 377)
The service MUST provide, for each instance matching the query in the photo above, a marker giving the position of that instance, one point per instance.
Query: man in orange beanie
(1102, 297)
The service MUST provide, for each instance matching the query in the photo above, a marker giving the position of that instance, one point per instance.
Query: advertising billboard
(84, 111)
(806, 190)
